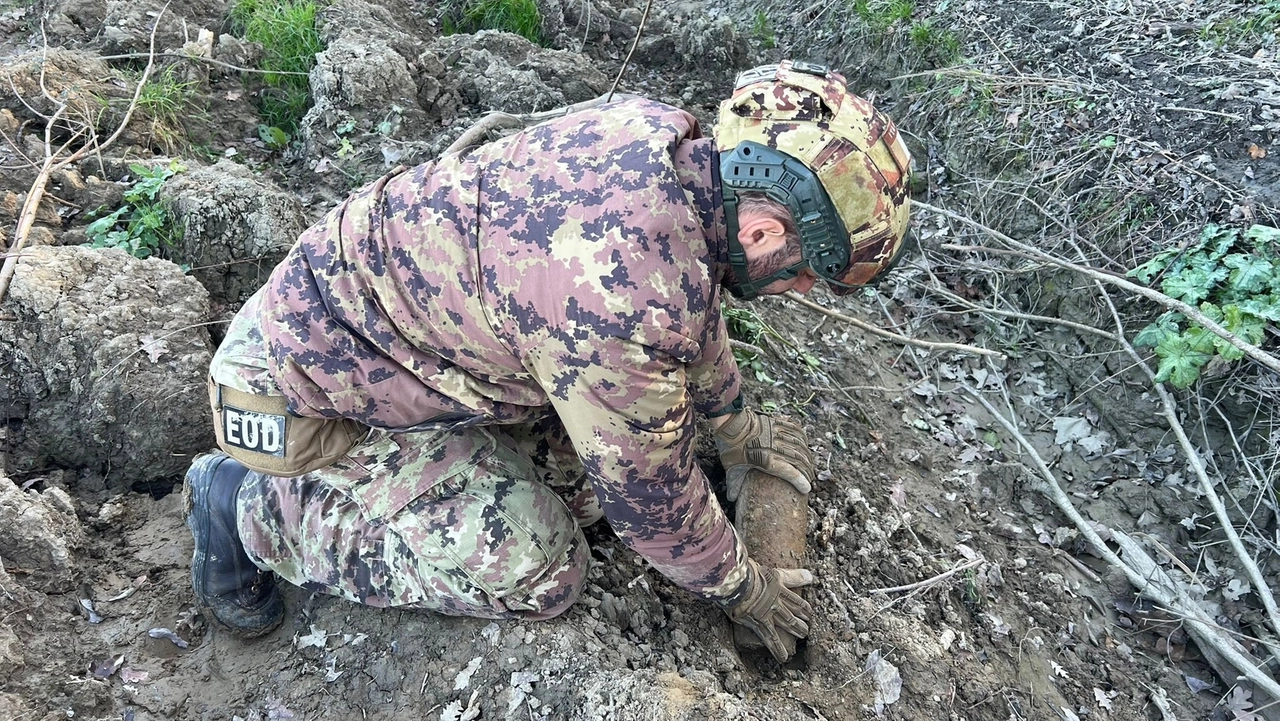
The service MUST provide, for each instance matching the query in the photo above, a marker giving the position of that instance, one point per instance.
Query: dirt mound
(125, 26)
(106, 363)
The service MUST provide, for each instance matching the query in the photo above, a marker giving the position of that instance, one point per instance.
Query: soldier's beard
(764, 266)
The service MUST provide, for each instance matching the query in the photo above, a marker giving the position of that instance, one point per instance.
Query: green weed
(942, 43)
(1234, 279)
(143, 226)
(514, 16)
(286, 29)
(1248, 28)
(880, 15)
(762, 30)
(169, 102)
(745, 325)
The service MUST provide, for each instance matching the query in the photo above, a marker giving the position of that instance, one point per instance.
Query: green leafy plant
(762, 30)
(514, 16)
(143, 225)
(745, 325)
(1234, 279)
(286, 29)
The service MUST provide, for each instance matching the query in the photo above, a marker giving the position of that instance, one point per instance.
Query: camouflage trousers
(482, 521)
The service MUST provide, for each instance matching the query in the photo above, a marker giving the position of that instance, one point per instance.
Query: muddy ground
(1050, 122)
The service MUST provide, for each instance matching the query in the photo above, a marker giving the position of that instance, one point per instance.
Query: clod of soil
(106, 363)
(236, 227)
(41, 530)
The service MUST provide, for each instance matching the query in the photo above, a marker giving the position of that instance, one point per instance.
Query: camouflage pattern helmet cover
(807, 112)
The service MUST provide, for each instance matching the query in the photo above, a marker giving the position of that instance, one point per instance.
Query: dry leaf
(166, 633)
(317, 639)
(153, 347)
(1257, 152)
(1103, 698)
(130, 675)
(1241, 706)
(233, 95)
(898, 494)
(104, 668)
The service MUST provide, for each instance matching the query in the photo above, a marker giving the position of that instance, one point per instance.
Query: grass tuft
(880, 15)
(762, 30)
(514, 16)
(941, 43)
(170, 102)
(286, 29)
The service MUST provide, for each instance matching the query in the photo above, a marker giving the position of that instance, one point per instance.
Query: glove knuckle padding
(768, 607)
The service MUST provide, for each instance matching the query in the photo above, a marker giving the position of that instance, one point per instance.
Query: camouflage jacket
(574, 267)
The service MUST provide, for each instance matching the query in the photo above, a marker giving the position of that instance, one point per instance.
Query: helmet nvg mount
(794, 132)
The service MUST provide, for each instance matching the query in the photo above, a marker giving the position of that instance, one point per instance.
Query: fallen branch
(902, 339)
(1260, 585)
(1142, 572)
(931, 581)
(1191, 312)
(55, 161)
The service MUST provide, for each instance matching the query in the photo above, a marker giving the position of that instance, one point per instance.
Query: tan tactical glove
(770, 608)
(774, 445)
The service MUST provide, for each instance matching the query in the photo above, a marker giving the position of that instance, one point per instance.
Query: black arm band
(735, 407)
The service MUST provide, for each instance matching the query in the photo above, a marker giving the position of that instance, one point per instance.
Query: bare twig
(743, 345)
(202, 59)
(1260, 584)
(931, 581)
(634, 43)
(497, 120)
(55, 161)
(975, 308)
(792, 295)
(1203, 111)
(1191, 312)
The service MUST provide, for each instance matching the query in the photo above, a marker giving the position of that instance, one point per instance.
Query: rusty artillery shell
(772, 519)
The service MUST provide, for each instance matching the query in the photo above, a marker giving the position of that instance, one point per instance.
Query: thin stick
(1191, 312)
(743, 345)
(792, 295)
(974, 307)
(930, 581)
(627, 60)
(1230, 116)
(497, 120)
(202, 59)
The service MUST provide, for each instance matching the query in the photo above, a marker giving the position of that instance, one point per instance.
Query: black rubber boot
(233, 593)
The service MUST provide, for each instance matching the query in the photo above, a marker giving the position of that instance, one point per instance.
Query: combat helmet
(794, 132)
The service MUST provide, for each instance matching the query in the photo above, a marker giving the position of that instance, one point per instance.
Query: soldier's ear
(760, 233)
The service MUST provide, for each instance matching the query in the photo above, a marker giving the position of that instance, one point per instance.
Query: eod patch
(253, 431)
